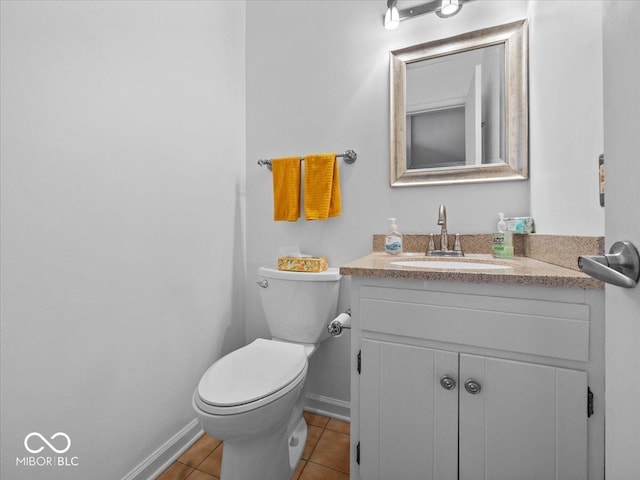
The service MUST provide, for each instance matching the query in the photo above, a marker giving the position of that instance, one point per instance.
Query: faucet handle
(432, 245)
(457, 247)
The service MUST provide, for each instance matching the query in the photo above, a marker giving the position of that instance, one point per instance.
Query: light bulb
(392, 18)
(449, 7)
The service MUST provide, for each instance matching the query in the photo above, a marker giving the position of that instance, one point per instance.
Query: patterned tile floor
(325, 457)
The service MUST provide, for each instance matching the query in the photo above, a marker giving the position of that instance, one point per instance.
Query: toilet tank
(299, 305)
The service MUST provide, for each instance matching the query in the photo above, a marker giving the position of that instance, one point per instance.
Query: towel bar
(349, 156)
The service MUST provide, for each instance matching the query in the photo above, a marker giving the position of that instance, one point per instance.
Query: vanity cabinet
(423, 410)
(474, 382)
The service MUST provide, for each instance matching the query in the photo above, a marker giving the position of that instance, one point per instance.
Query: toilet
(252, 398)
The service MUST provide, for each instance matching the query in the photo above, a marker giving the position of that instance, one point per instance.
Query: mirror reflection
(454, 106)
(459, 109)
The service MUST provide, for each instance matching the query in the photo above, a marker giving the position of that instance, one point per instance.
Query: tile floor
(325, 457)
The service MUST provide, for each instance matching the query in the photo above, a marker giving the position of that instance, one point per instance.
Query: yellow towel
(321, 186)
(286, 188)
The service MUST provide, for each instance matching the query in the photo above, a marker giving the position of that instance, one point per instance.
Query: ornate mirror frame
(516, 97)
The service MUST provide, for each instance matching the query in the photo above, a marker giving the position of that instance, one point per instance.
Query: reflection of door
(473, 119)
(622, 159)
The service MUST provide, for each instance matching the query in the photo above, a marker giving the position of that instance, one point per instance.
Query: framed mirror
(459, 109)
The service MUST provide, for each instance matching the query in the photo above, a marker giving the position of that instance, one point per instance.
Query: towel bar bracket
(350, 157)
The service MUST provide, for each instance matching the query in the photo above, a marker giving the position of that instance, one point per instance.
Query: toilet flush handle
(263, 284)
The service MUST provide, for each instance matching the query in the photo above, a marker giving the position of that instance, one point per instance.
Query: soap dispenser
(502, 244)
(393, 239)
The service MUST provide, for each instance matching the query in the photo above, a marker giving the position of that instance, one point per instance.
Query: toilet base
(271, 457)
(297, 442)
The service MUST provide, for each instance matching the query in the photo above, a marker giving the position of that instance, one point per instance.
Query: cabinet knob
(448, 382)
(472, 386)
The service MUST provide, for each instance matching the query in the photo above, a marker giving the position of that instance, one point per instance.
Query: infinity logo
(55, 435)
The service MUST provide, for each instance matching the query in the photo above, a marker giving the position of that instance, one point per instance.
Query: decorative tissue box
(303, 264)
(520, 224)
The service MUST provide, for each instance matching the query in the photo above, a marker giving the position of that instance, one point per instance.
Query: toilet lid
(251, 373)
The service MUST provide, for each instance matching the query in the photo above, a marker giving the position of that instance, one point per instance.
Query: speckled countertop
(524, 270)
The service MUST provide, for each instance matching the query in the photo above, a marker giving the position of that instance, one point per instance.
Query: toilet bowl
(253, 398)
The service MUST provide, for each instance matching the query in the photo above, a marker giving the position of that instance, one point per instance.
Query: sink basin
(450, 265)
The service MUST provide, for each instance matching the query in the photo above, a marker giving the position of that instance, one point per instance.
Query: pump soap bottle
(393, 240)
(502, 244)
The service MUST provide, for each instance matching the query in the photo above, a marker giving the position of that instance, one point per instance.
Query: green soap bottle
(502, 244)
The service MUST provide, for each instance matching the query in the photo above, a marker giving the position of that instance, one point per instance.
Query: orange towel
(321, 187)
(286, 188)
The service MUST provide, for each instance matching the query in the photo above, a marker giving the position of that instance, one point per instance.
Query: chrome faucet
(444, 239)
(442, 221)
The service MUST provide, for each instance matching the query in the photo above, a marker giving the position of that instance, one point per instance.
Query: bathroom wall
(318, 80)
(123, 179)
(566, 116)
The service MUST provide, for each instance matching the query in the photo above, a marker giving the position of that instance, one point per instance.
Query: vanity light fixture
(442, 8)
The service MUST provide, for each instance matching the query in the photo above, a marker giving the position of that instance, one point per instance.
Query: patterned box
(303, 264)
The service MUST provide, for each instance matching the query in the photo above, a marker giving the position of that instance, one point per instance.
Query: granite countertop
(524, 271)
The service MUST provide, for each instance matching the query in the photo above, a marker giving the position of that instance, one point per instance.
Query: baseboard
(330, 407)
(167, 453)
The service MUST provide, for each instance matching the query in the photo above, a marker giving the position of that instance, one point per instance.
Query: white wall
(122, 222)
(317, 80)
(566, 116)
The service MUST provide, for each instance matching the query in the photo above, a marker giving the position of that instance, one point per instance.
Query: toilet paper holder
(340, 323)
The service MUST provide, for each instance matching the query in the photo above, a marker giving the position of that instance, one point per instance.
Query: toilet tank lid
(252, 372)
(329, 275)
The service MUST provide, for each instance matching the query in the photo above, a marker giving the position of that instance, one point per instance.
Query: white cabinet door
(528, 422)
(408, 421)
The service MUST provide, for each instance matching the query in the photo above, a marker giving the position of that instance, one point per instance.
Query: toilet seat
(251, 376)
